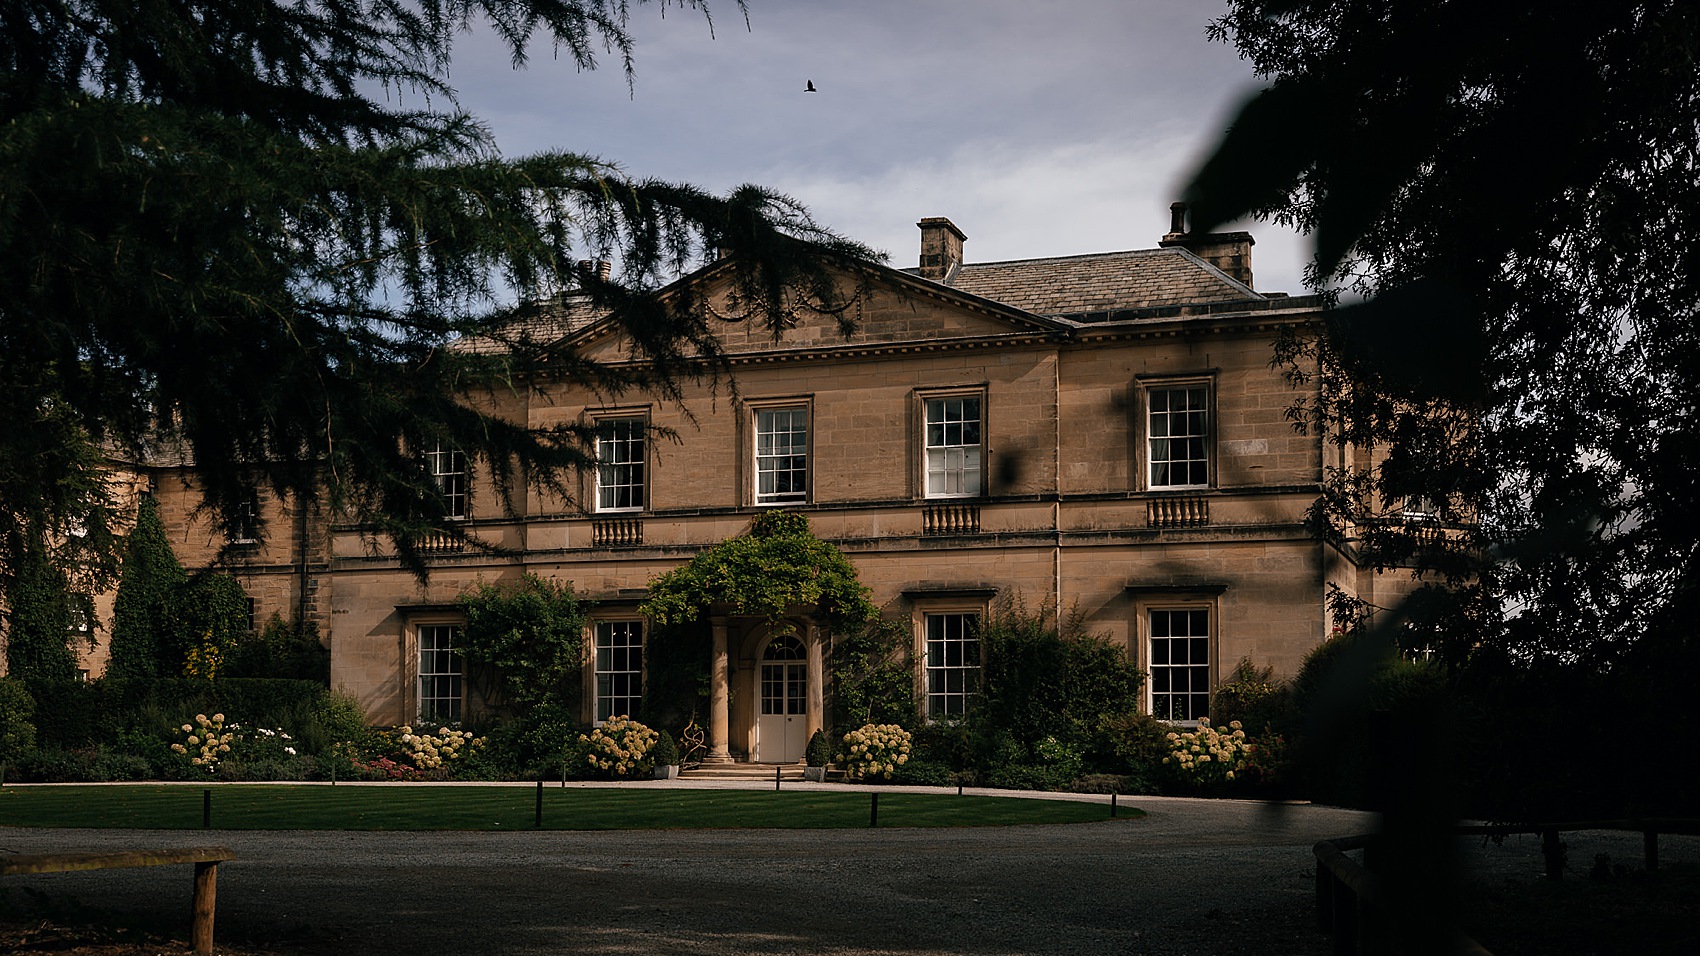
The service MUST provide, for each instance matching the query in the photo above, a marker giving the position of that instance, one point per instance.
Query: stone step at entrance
(743, 771)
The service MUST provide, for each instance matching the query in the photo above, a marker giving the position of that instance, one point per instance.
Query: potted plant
(817, 755)
(666, 757)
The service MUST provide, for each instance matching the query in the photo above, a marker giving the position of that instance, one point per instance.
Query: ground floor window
(1180, 664)
(440, 673)
(619, 668)
(953, 664)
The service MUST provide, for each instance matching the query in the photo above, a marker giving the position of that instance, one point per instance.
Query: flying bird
(810, 88)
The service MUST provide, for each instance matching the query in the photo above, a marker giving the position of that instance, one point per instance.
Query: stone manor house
(1102, 433)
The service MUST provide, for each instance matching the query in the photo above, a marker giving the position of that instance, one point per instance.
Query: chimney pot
(1177, 219)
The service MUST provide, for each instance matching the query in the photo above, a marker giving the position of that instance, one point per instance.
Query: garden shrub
(1208, 760)
(523, 643)
(873, 679)
(818, 753)
(950, 743)
(1351, 693)
(17, 733)
(1253, 696)
(1042, 681)
(210, 612)
(38, 618)
(143, 617)
(282, 649)
(924, 773)
(873, 752)
(620, 748)
(666, 751)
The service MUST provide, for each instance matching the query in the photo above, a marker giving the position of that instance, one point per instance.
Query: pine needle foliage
(1508, 190)
(254, 233)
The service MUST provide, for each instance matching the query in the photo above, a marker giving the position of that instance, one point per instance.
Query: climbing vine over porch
(769, 572)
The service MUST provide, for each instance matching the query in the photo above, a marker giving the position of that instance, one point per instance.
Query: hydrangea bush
(1209, 758)
(207, 741)
(435, 749)
(875, 751)
(621, 747)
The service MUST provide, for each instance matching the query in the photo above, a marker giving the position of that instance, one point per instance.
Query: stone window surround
(1180, 597)
(926, 602)
(1144, 385)
(751, 445)
(594, 645)
(919, 415)
(593, 491)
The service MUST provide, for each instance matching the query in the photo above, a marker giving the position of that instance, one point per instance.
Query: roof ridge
(1084, 255)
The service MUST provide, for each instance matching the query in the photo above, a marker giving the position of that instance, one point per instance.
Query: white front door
(782, 724)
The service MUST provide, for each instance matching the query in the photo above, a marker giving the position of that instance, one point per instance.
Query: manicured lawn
(403, 807)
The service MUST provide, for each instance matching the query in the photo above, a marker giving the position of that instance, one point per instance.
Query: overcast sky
(1040, 129)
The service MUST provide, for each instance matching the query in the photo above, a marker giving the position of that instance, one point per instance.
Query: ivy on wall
(523, 643)
(164, 622)
(142, 615)
(38, 632)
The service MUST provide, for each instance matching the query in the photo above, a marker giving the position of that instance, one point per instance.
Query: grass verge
(400, 807)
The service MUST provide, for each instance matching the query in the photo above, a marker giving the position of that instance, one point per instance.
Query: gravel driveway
(1194, 877)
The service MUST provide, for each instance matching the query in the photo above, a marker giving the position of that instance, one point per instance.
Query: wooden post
(206, 897)
(874, 810)
(1553, 849)
(1112, 806)
(539, 822)
(206, 809)
(776, 778)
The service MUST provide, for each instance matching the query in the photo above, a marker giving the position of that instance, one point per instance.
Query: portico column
(719, 696)
(817, 691)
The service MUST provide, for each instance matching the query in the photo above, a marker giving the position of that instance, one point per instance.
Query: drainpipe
(1056, 477)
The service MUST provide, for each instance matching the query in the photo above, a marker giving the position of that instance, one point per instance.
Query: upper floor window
(448, 470)
(620, 473)
(953, 664)
(245, 523)
(953, 449)
(440, 673)
(1180, 664)
(1178, 436)
(782, 454)
(619, 668)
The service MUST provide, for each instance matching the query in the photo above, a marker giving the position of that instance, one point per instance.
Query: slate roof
(544, 323)
(1106, 281)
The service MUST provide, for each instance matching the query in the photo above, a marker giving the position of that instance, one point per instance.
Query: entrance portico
(766, 689)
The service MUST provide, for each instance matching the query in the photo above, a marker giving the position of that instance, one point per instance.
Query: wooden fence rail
(1352, 905)
(205, 858)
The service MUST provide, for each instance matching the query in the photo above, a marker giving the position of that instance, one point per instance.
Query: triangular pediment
(885, 308)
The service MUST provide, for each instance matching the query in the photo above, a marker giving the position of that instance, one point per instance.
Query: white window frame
(245, 523)
(616, 668)
(945, 699)
(441, 680)
(1191, 424)
(622, 464)
(448, 471)
(1160, 703)
(767, 458)
(953, 446)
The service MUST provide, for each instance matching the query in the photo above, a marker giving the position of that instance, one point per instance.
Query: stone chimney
(602, 269)
(1228, 251)
(941, 247)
